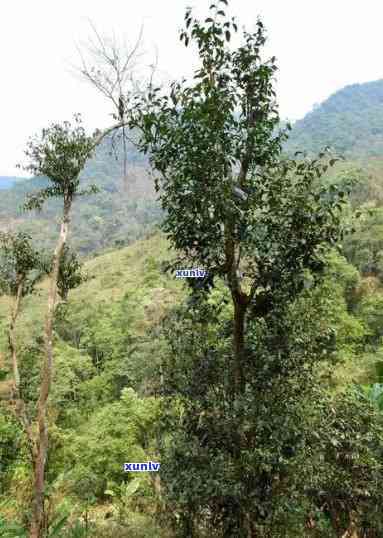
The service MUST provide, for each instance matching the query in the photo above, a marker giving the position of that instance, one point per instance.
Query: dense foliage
(263, 225)
(272, 431)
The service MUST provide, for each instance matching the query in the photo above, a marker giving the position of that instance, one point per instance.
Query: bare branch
(111, 68)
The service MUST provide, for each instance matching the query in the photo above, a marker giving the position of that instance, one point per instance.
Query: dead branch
(114, 70)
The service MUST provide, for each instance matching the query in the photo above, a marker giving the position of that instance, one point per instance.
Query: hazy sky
(320, 47)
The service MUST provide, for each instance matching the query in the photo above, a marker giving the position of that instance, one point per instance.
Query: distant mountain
(350, 121)
(123, 211)
(6, 182)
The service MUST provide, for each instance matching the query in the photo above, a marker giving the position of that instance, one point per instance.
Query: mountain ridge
(350, 121)
(126, 209)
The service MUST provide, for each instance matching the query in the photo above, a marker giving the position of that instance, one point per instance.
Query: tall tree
(233, 204)
(260, 223)
(59, 154)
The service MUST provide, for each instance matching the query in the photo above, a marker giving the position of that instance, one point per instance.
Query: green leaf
(227, 35)
(56, 531)
(132, 487)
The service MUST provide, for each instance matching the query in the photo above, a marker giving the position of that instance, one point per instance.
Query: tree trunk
(239, 342)
(20, 408)
(11, 338)
(38, 515)
(125, 180)
(240, 302)
(352, 530)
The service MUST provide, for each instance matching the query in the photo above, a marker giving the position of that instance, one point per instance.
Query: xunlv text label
(148, 466)
(187, 273)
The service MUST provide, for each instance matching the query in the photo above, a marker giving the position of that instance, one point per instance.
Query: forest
(252, 394)
(350, 121)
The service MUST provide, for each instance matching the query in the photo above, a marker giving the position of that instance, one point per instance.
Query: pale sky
(320, 46)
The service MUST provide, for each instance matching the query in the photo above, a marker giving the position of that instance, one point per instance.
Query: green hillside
(350, 121)
(108, 349)
(255, 387)
(126, 208)
(123, 211)
(130, 270)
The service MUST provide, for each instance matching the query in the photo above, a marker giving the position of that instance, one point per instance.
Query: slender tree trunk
(20, 408)
(240, 303)
(239, 342)
(38, 516)
(125, 180)
(352, 530)
(11, 337)
(159, 504)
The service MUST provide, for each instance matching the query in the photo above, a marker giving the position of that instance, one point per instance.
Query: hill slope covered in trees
(257, 389)
(124, 210)
(350, 121)
(108, 348)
